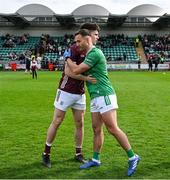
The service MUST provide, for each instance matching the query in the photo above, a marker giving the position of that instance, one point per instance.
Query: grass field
(26, 109)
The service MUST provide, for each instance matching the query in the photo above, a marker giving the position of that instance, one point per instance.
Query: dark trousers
(34, 73)
(150, 67)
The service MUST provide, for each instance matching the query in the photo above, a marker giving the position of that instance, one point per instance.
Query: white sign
(135, 66)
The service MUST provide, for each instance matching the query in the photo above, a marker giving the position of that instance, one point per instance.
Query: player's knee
(113, 130)
(97, 130)
(57, 121)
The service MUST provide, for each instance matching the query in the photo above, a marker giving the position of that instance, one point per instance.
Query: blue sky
(67, 6)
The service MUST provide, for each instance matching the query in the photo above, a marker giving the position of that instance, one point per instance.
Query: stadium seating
(114, 52)
(157, 47)
(115, 47)
(18, 49)
(117, 53)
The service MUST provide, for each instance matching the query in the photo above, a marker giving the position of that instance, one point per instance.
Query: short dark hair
(83, 32)
(90, 27)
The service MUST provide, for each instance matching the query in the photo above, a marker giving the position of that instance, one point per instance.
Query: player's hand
(91, 79)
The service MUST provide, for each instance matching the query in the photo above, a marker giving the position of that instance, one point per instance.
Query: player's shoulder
(98, 50)
(75, 50)
(96, 53)
(94, 50)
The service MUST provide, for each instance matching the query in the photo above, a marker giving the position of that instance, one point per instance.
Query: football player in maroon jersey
(70, 94)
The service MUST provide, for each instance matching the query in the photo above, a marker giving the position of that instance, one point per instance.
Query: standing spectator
(150, 63)
(39, 60)
(162, 59)
(33, 67)
(137, 42)
(156, 62)
(139, 60)
(28, 63)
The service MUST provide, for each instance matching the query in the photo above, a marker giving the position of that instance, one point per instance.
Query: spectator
(150, 64)
(33, 67)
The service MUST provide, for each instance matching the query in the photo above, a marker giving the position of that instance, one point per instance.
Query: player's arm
(77, 69)
(69, 73)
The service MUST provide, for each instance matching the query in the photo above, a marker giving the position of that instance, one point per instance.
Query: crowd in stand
(49, 44)
(111, 40)
(157, 48)
(11, 41)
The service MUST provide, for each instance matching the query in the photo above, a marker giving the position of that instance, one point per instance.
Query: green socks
(96, 155)
(130, 153)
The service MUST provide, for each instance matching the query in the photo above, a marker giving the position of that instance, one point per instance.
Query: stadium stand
(119, 48)
(157, 47)
(46, 30)
(113, 46)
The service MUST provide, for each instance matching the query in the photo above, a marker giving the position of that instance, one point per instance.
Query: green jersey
(96, 60)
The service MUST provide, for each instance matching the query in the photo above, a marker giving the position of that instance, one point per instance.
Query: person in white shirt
(39, 59)
(33, 67)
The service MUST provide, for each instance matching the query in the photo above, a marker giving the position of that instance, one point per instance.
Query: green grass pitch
(26, 110)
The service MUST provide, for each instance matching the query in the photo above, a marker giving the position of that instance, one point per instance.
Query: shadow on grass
(67, 169)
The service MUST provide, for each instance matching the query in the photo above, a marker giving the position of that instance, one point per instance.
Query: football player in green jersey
(103, 103)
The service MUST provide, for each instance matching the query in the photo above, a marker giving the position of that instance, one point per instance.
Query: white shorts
(103, 104)
(65, 100)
